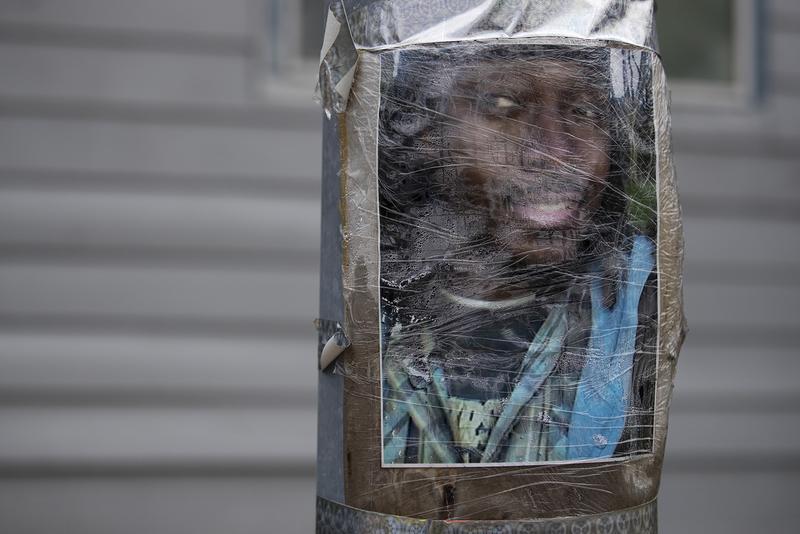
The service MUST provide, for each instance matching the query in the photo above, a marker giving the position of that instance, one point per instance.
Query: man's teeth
(551, 208)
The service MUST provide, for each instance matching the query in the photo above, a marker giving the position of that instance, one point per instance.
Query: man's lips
(547, 215)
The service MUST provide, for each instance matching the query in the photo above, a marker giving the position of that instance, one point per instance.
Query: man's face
(529, 138)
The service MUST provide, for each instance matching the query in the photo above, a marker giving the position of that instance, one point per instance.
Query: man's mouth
(546, 215)
(539, 204)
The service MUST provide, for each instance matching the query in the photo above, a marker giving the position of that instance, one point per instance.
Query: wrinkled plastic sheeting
(512, 264)
(355, 25)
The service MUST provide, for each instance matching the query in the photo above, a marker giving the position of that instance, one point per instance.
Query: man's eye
(586, 111)
(501, 103)
(505, 102)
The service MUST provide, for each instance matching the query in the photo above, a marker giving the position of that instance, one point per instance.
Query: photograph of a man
(518, 223)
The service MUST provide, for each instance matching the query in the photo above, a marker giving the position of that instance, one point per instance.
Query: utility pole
(500, 290)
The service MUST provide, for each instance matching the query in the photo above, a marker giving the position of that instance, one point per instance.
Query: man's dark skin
(530, 139)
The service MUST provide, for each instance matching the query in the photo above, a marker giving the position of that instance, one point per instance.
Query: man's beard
(540, 217)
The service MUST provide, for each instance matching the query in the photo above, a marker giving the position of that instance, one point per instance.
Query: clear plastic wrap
(511, 262)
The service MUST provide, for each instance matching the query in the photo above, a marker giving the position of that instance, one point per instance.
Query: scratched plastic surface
(518, 298)
(512, 274)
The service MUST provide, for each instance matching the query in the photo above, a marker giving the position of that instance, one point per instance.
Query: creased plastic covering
(517, 198)
(512, 277)
(382, 24)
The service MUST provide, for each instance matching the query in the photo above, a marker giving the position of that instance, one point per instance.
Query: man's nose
(547, 139)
